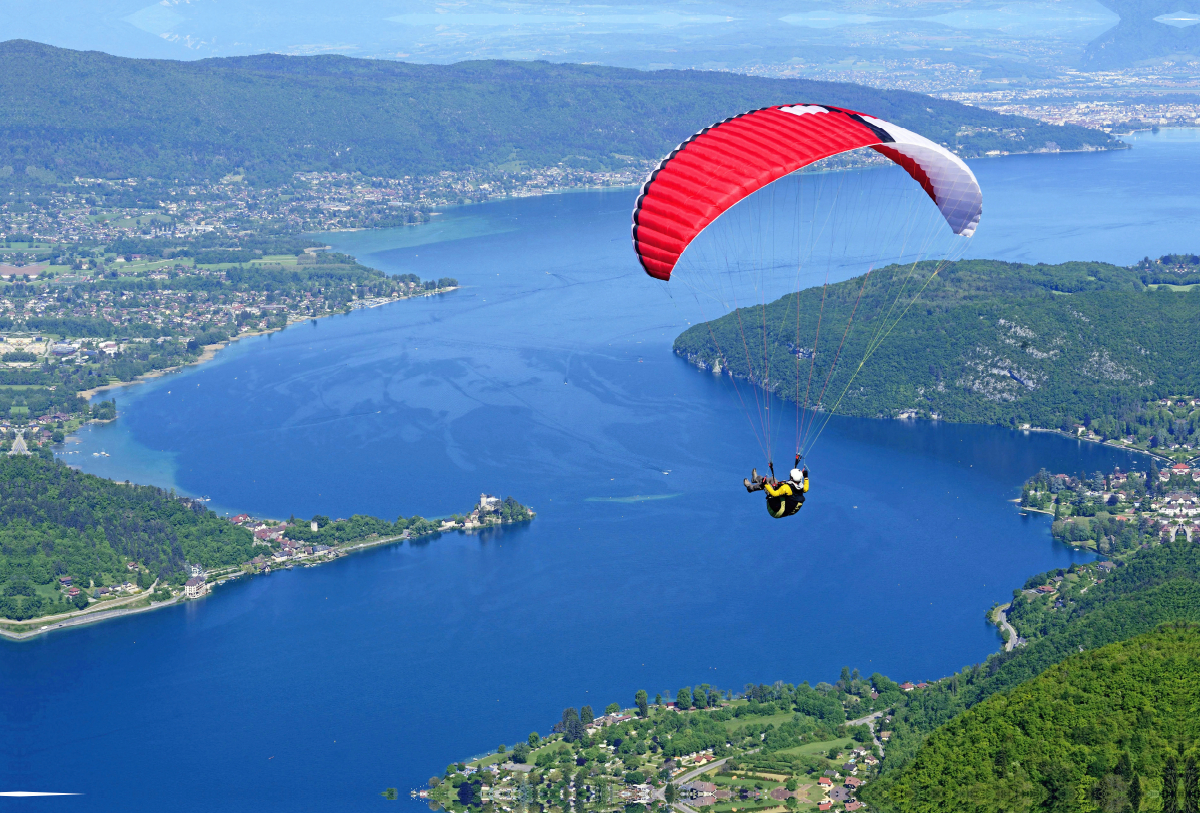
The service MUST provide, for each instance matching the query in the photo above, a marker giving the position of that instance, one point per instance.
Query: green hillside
(1113, 729)
(1158, 585)
(72, 113)
(55, 521)
(988, 342)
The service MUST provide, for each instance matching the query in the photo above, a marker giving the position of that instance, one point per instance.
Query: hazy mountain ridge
(75, 113)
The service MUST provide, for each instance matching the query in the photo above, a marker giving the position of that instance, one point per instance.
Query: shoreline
(209, 351)
(1110, 444)
(92, 615)
(564, 190)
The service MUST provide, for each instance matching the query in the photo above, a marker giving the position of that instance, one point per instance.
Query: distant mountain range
(74, 113)
(1148, 30)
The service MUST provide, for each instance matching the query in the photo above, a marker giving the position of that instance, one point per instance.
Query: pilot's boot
(753, 484)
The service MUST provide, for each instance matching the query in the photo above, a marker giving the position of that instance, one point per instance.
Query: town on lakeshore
(100, 319)
(767, 748)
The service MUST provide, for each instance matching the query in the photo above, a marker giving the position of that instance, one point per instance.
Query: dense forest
(1054, 346)
(1101, 731)
(56, 521)
(1157, 585)
(73, 113)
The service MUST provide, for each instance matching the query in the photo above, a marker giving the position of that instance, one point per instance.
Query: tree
(612, 708)
(1191, 787)
(658, 699)
(571, 727)
(670, 794)
(642, 701)
(1134, 794)
(683, 700)
(502, 749)
(534, 739)
(586, 715)
(1125, 766)
(1170, 786)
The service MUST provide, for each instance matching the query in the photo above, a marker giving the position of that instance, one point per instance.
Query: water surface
(548, 377)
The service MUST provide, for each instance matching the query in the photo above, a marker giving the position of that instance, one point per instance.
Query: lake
(547, 377)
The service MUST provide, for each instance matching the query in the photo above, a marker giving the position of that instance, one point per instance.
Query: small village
(1147, 505)
(769, 749)
(286, 545)
(294, 543)
(1165, 428)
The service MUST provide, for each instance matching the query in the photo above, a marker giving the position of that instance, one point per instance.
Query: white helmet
(796, 475)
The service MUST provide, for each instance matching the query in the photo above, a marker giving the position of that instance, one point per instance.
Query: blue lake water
(549, 377)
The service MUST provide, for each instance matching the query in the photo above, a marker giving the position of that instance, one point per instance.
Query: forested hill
(56, 521)
(73, 113)
(1156, 586)
(987, 342)
(1102, 731)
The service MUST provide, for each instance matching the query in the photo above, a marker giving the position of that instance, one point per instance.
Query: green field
(811, 748)
(1173, 287)
(774, 719)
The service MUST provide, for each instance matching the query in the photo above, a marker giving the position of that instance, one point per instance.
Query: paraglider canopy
(722, 164)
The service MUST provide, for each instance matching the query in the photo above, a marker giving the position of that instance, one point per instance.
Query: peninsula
(1027, 346)
(123, 548)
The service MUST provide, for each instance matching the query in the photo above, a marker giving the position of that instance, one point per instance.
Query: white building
(195, 587)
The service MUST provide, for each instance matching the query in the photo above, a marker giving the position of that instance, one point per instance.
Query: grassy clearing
(811, 748)
(743, 779)
(776, 719)
(1174, 287)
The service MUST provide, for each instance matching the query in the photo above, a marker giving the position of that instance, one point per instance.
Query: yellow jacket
(785, 488)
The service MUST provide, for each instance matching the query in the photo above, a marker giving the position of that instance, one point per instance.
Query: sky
(674, 33)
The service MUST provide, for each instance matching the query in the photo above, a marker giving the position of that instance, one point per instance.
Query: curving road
(1002, 621)
(869, 721)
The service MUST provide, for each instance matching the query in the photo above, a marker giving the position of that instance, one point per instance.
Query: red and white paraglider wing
(722, 164)
(947, 179)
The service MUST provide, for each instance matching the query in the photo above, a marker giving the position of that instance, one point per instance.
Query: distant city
(93, 210)
(1167, 94)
